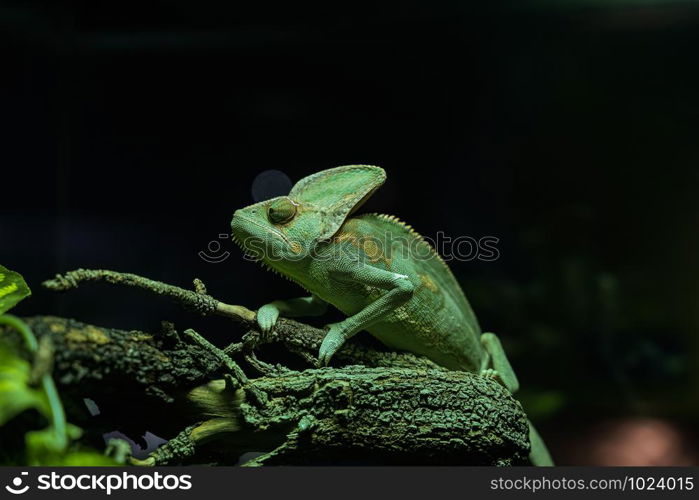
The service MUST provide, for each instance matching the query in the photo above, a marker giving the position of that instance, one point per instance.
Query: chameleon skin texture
(437, 321)
(350, 262)
(375, 269)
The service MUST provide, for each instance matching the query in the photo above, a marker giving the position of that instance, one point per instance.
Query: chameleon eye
(281, 211)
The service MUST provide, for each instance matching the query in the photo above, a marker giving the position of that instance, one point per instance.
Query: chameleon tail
(538, 455)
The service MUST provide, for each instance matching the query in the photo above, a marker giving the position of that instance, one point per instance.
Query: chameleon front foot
(332, 342)
(267, 316)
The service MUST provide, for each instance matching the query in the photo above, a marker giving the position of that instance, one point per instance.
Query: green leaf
(16, 395)
(46, 446)
(83, 458)
(12, 289)
(42, 448)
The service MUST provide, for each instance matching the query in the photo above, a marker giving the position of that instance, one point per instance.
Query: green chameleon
(375, 269)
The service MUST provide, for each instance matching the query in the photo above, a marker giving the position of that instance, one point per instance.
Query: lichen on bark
(386, 415)
(372, 407)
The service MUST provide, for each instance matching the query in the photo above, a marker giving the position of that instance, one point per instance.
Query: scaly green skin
(375, 269)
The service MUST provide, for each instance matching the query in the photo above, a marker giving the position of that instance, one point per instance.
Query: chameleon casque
(375, 269)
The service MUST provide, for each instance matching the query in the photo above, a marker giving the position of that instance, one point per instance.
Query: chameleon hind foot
(493, 374)
(496, 360)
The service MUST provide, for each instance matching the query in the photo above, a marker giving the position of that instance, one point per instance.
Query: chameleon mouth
(266, 229)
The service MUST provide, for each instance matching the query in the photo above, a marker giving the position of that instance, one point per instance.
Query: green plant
(24, 387)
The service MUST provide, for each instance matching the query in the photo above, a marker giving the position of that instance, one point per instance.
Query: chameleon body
(375, 269)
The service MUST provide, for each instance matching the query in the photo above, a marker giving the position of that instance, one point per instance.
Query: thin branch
(197, 300)
(238, 374)
(297, 337)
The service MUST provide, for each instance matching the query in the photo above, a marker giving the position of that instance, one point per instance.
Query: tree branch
(396, 408)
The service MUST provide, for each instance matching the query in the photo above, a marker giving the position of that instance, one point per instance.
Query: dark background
(132, 131)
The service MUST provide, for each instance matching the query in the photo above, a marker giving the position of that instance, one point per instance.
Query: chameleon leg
(399, 290)
(303, 306)
(496, 364)
(538, 454)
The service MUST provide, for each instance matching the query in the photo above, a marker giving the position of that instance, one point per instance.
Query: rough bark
(398, 408)
(373, 406)
(132, 362)
(364, 415)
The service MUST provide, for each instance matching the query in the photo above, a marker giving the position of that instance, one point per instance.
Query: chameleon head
(283, 231)
(271, 230)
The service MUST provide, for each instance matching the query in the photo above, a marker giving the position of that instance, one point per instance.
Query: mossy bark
(155, 364)
(366, 415)
(374, 407)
